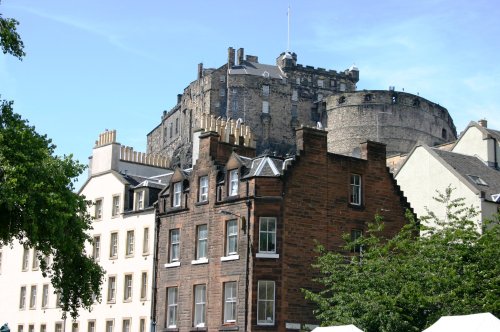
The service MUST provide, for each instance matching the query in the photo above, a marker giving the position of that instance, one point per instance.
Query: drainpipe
(155, 271)
(248, 253)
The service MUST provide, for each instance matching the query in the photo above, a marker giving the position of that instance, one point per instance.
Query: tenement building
(237, 232)
(122, 185)
(274, 100)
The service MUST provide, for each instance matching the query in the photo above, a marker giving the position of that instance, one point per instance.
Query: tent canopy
(342, 328)
(484, 322)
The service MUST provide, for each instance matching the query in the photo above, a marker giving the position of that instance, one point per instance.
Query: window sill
(200, 203)
(229, 258)
(359, 207)
(264, 255)
(173, 264)
(129, 256)
(127, 300)
(229, 326)
(200, 261)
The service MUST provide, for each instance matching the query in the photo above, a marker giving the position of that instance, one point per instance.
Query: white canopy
(342, 328)
(484, 322)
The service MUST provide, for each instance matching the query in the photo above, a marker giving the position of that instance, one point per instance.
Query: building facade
(237, 232)
(123, 185)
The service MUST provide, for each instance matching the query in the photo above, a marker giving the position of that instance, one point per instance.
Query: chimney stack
(240, 55)
(230, 57)
(200, 70)
(483, 123)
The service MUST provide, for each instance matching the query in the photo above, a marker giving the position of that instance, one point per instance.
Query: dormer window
(477, 180)
(139, 200)
(177, 194)
(233, 182)
(203, 188)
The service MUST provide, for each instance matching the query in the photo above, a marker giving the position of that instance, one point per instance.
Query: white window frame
(265, 107)
(45, 295)
(128, 285)
(26, 259)
(233, 182)
(96, 247)
(145, 241)
(295, 95)
(33, 291)
(113, 245)
(321, 83)
(265, 235)
(265, 90)
(98, 209)
(58, 327)
(111, 296)
(200, 302)
(126, 324)
(144, 286)
(175, 245)
(201, 243)
(172, 306)
(355, 189)
(43, 328)
(139, 199)
(203, 189)
(130, 243)
(91, 326)
(35, 263)
(177, 193)
(230, 302)
(110, 325)
(232, 237)
(74, 327)
(22, 297)
(115, 210)
(263, 300)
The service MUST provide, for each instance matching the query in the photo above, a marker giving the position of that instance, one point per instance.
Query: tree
(38, 205)
(406, 283)
(39, 208)
(10, 41)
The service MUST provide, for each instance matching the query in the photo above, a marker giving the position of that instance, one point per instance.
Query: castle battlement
(227, 128)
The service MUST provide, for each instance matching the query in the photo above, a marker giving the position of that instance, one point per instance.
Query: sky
(93, 65)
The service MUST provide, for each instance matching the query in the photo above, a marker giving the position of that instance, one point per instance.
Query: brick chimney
(312, 141)
(373, 151)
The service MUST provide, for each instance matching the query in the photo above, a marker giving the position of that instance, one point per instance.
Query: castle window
(222, 78)
(320, 83)
(177, 194)
(342, 100)
(171, 128)
(176, 126)
(368, 97)
(333, 83)
(295, 95)
(394, 99)
(444, 134)
(297, 80)
(222, 92)
(416, 102)
(294, 111)
(233, 182)
(265, 107)
(265, 90)
(342, 87)
(355, 190)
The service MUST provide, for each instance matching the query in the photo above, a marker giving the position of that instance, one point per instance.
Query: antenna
(288, 41)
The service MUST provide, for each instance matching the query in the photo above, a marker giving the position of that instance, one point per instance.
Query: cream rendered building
(470, 167)
(123, 185)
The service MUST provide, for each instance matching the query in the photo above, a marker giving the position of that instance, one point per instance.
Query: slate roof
(468, 166)
(256, 69)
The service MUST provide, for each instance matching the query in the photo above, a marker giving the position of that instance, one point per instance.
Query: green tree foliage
(408, 282)
(39, 208)
(10, 41)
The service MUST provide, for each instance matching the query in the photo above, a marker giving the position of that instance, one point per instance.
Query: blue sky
(118, 64)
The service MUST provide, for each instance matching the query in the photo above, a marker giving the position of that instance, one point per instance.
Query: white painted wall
(472, 144)
(422, 175)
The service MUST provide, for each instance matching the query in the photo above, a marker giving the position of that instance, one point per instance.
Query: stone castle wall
(397, 119)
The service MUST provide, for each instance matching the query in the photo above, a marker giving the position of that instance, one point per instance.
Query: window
(232, 237)
(116, 206)
(201, 241)
(230, 300)
(113, 245)
(320, 83)
(91, 326)
(20, 328)
(98, 209)
(109, 326)
(58, 300)
(43, 328)
(145, 241)
(58, 327)
(265, 303)
(74, 327)
(355, 192)
(297, 80)
(144, 285)
(126, 325)
(22, 298)
(265, 107)
(45, 296)
(172, 295)
(342, 87)
(267, 235)
(265, 90)
(233, 182)
(199, 305)
(26, 259)
(127, 288)
(33, 297)
(222, 79)
(222, 92)
(96, 249)
(356, 234)
(176, 126)
(174, 245)
(477, 180)
(295, 95)
(35, 264)
(139, 200)
(130, 243)
(203, 189)
(111, 289)
(31, 328)
(294, 111)
(177, 194)
(142, 325)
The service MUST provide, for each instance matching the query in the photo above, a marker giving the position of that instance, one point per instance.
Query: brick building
(236, 232)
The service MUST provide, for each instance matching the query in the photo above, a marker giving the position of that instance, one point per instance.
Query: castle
(274, 100)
